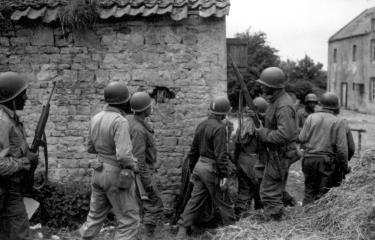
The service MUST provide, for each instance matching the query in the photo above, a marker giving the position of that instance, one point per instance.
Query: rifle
(185, 191)
(251, 105)
(245, 92)
(39, 140)
(141, 190)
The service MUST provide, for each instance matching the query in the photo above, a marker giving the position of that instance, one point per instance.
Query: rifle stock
(142, 192)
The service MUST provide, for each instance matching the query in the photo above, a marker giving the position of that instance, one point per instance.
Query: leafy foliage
(260, 56)
(63, 205)
(304, 76)
(300, 89)
(305, 70)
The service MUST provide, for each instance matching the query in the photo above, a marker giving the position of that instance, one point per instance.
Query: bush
(63, 205)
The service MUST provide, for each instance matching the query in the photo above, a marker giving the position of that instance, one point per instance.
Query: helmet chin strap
(16, 118)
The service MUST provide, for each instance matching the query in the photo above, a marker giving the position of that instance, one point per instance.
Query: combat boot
(182, 233)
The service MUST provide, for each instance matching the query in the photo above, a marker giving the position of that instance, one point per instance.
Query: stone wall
(187, 57)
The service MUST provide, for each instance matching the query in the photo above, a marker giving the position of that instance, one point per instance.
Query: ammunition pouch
(125, 179)
(288, 151)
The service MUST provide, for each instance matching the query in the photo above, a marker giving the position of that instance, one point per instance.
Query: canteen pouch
(125, 179)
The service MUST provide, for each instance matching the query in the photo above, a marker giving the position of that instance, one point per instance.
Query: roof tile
(178, 9)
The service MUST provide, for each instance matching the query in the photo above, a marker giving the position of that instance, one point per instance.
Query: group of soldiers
(262, 155)
(125, 148)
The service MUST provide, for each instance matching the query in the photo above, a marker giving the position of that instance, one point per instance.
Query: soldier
(279, 134)
(339, 173)
(144, 149)
(15, 157)
(209, 155)
(246, 149)
(311, 100)
(324, 137)
(112, 184)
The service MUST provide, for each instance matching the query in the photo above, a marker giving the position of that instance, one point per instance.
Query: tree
(260, 56)
(305, 70)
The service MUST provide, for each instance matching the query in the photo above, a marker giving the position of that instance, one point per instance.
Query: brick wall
(187, 57)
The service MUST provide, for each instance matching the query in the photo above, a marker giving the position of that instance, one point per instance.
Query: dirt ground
(295, 184)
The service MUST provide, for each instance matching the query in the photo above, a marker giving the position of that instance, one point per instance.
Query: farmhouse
(351, 63)
(173, 49)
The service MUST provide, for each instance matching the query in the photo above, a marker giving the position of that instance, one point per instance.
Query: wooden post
(359, 131)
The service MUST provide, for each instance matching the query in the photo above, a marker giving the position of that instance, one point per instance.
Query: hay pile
(346, 212)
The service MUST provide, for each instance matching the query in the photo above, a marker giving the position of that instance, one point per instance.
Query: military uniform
(246, 157)
(145, 151)
(325, 137)
(301, 117)
(339, 173)
(209, 152)
(14, 223)
(279, 134)
(110, 140)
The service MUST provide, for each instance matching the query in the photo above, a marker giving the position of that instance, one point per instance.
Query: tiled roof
(48, 10)
(360, 25)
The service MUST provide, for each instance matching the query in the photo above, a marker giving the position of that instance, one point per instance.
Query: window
(359, 88)
(372, 51)
(372, 89)
(354, 53)
(335, 55)
(373, 24)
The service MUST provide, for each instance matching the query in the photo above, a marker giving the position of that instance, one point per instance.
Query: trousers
(205, 196)
(153, 208)
(106, 195)
(248, 184)
(273, 184)
(318, 173)
(14, 222)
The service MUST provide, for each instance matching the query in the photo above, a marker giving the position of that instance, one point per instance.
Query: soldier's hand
(223, 183)
(33, 158)
(25, 164)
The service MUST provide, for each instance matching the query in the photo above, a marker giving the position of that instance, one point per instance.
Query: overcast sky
(295, 27)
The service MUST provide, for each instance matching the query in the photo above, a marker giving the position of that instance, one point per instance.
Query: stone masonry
(187, 57)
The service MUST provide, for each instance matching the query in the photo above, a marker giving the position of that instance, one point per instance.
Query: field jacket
(13, 145)
(109, 137)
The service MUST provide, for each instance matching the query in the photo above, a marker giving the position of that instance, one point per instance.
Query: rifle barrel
(246, 93)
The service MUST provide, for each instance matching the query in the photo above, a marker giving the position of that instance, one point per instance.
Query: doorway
(344, 94)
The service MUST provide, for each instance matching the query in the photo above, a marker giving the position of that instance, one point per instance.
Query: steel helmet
(11, 85)
(140, 101)
(311, 97)
(220, 106)
(272, 77)
(116, 93)
(330, 101)
(261, 104)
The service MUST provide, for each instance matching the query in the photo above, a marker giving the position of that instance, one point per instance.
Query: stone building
(351, 63)
(174, 49)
